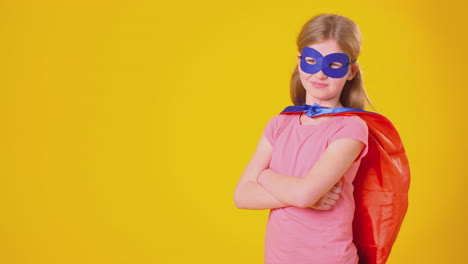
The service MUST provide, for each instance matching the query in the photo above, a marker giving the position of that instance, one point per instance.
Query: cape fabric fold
(380, 187)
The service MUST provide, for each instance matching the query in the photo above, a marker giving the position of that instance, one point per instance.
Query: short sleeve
(270, 130)
(355, 128)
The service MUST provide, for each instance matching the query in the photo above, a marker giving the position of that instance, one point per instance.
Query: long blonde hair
(348, 37)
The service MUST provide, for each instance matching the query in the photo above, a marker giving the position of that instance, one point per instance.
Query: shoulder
(284, 116)
(281, 119)
(352, 121)
(277, 124)
(350, 127)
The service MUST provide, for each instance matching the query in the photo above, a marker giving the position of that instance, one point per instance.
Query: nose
(320, 75)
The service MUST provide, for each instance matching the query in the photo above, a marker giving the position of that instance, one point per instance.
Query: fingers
(324, 204)
(330, 198)
(329, 201)
(339, 183)
(321, 206)
(331, 195)
(337, 188)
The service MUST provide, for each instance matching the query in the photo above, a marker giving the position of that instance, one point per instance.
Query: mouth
(319, 85)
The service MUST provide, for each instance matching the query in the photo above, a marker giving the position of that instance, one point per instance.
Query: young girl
(304, 165)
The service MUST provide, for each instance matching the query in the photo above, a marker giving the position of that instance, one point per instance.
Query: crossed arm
(262, 188)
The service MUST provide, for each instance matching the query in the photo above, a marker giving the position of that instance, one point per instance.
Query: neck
(324, 103)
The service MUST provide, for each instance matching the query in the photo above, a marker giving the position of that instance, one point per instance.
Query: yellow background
(125, 125)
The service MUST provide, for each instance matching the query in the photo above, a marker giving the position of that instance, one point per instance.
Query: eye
(335, 65)
(310, 60)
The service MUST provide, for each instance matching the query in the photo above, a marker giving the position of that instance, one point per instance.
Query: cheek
(339, 83)
(303, 75)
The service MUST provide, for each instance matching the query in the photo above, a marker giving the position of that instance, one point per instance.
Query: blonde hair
(348, 37)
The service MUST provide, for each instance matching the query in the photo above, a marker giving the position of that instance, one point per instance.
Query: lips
(319, 85)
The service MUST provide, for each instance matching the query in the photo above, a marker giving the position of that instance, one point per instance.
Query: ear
(354, 70)
(298, 56)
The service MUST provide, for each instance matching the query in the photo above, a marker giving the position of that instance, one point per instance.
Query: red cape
(380, 190)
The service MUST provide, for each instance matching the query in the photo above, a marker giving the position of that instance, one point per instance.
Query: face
(324, 72)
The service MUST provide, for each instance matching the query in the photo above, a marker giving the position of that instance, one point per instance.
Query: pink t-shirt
(307, 236)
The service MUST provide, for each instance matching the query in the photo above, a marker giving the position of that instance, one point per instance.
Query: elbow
(238, 201)
(243, 198)
(241, 203)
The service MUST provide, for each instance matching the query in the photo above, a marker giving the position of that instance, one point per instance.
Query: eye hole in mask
(310, 60)
(333, 65)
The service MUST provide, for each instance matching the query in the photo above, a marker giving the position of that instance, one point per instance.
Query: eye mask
(333, 65)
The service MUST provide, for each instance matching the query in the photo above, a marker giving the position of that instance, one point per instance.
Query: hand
(329, 199)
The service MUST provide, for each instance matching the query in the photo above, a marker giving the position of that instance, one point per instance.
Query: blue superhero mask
(333, 65)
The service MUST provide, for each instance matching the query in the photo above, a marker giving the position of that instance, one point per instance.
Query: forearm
(288, 189)
(326, 172)
(251, 195)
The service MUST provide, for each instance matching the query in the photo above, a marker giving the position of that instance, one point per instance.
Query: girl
(303, 168)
